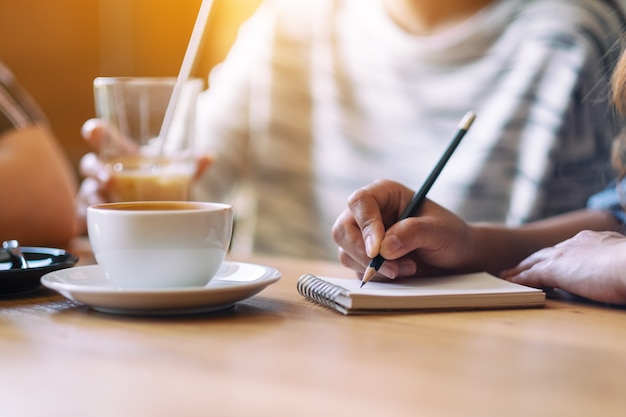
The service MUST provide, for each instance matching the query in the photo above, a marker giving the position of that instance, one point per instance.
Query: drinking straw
(185, 69)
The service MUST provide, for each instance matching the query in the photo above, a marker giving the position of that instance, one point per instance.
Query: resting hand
(591, 265)
(434, 242)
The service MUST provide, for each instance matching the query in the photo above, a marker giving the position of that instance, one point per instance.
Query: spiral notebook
(467, 291)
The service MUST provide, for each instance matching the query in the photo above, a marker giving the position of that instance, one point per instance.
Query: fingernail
(406, 267)
(387, 271)
(369, 246)
(392, 244)
(86, 128)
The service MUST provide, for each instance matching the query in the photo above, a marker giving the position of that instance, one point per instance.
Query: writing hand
(434, 242)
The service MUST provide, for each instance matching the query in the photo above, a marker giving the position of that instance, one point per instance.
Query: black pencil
(420, 195)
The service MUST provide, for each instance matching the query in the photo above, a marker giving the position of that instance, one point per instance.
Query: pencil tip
(368, 275)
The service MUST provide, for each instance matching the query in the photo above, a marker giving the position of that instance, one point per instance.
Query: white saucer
(235, 281)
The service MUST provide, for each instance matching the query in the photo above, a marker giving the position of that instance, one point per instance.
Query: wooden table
(279, 355)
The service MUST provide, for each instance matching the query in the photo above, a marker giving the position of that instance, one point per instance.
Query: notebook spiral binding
(319, 291)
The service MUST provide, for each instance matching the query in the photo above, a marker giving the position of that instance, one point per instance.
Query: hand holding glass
(142, 165)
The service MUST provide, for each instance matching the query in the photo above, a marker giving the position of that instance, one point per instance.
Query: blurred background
(56, 48)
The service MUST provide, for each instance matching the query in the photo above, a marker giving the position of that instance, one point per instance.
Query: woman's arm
(38, 188)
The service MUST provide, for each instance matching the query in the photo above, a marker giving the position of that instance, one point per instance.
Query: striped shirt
(17, 107)
(318, 98)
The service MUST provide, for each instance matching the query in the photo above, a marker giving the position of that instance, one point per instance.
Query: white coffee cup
(160, 244)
